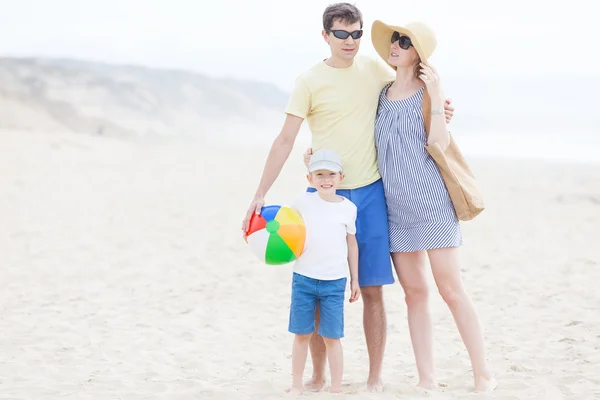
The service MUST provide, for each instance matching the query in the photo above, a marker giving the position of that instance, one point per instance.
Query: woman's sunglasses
(340, 34)
(403, 41)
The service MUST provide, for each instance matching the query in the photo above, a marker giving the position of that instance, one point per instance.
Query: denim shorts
(374, 261)
(306, 292)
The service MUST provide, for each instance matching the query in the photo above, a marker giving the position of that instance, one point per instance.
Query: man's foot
(485, 385)
(294, 391)
(375, 385)
(314, 385)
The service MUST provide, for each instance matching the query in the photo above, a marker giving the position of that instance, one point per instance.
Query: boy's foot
(315, 385)
(485, 385)
(375, 386)
(294, 392)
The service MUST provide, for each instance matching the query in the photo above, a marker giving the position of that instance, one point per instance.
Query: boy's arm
(352, 257)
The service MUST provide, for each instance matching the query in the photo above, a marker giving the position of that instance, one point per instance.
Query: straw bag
(458, 177)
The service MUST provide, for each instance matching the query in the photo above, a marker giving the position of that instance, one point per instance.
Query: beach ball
(276, 235)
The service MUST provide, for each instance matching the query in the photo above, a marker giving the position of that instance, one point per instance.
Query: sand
(124, 276)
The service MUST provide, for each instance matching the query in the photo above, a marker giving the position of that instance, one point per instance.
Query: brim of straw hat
(381, 36)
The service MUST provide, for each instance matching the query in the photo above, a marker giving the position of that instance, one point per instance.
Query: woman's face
(402, 52)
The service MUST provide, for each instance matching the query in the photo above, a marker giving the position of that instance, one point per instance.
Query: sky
(273, 41)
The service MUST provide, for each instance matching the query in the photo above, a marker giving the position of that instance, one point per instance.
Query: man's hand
(306, 156)
(448, 110)
(255, 207)
(355, 291)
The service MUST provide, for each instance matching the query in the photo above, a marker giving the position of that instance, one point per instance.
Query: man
(338, 97)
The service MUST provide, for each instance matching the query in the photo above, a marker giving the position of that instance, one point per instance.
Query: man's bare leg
(318, 353)
(375, 326)
(336, 363)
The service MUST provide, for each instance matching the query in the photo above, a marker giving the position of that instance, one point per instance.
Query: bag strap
(426, 110)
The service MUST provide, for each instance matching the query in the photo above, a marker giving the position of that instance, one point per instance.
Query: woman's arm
(438, 130)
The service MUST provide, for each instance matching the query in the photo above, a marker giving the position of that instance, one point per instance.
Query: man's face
(344, 49)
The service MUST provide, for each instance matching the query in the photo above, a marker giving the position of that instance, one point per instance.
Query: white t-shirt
(325, 254)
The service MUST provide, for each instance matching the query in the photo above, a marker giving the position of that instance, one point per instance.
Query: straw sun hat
(422, 38)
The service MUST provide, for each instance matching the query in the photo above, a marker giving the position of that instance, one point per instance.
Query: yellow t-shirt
(340, 105)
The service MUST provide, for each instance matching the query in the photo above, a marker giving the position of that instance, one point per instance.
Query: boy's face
(326, 182)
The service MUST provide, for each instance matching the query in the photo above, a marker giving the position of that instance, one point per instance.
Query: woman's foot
(294, 391)
(485, 385)
(314, 385)
(335, 389)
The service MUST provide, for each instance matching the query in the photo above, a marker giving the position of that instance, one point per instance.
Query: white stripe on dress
(420, 212)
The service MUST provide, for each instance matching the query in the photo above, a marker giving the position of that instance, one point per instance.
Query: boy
(320, 273)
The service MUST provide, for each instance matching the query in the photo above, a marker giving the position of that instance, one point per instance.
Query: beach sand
(125, 276)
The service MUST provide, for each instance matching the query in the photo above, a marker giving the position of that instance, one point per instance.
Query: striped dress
(420, 212)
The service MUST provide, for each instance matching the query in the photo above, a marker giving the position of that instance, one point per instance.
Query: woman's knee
(415, 293)
(452, 294)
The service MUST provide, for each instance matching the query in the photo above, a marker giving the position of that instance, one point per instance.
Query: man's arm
(280, 151)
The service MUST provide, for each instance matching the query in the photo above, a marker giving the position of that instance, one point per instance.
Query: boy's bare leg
(318, 353)
(336, 363)
(299, 354)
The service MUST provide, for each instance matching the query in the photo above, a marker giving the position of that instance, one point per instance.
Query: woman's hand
(430, 77)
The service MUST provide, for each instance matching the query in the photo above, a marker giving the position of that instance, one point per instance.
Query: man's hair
(344, 12)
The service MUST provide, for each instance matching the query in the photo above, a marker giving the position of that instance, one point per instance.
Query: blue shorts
(330, 295)
(374, 262)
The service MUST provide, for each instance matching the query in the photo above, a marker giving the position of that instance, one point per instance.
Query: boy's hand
(355, 291)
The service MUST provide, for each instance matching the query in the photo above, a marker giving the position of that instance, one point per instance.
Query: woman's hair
(417, 67)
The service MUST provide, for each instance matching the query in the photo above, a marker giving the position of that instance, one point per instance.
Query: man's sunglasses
(403, 41)
(340, 34)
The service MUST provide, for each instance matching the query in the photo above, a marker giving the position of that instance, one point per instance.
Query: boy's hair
(344, 12)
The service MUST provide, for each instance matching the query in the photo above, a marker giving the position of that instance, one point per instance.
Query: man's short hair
(344, 12)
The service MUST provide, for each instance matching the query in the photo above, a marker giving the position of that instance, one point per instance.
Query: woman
(422, 220)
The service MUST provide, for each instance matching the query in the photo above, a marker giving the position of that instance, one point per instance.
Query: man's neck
(338, 63)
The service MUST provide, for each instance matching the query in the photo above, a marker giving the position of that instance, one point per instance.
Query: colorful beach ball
(277, 234)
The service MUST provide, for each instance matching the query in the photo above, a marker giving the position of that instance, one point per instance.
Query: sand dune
(125, 277)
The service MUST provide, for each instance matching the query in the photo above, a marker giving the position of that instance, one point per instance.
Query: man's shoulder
(312, 71)
(366, 60)
(369, 63)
